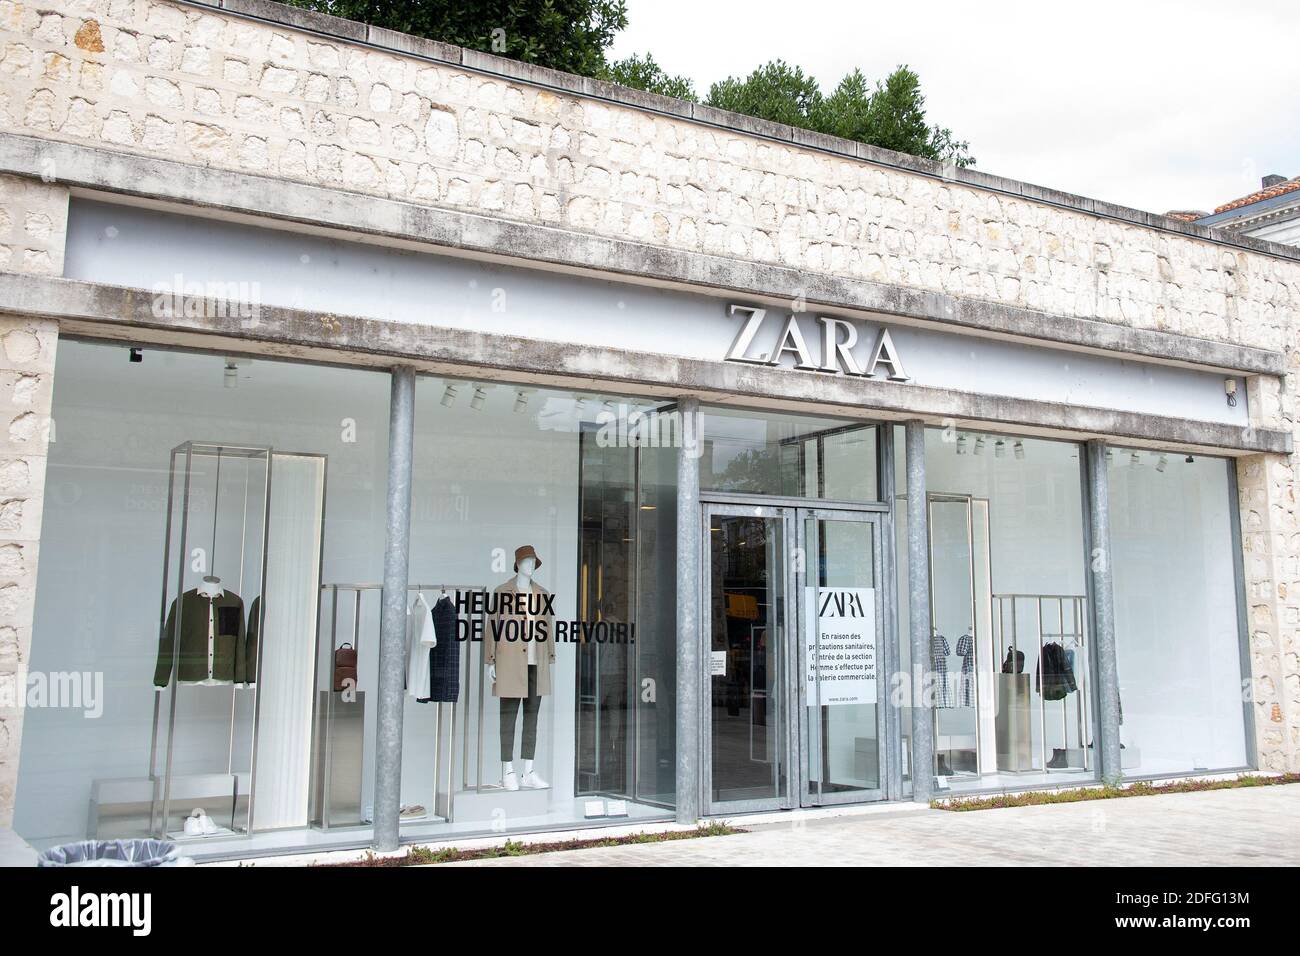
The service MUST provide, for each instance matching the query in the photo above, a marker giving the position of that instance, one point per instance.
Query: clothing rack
(1075, 634)
(444, 799)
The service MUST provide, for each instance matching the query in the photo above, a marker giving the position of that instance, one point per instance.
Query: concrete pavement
(1244, 827)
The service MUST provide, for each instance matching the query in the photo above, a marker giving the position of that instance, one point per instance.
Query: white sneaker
(533, 781)
(207, 825)
(193, 825)
(510, 781)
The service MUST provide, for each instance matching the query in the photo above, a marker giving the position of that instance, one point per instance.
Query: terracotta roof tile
(1289, 186)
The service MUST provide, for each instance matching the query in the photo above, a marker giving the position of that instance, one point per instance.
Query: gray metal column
(1103, 613)
(918, 604)
(690, 701)
(392, 621)
(891, 658)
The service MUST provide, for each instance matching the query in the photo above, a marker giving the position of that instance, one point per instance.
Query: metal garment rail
(1075, 631)
(444, 802)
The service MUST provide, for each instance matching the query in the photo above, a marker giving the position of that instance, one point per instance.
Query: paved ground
(1257, 826)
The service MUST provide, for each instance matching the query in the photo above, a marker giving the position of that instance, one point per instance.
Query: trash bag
(115, 853)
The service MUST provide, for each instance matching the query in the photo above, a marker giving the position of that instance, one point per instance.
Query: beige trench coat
(511, 657)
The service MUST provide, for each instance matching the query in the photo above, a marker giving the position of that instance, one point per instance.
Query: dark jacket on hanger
(227, 631)
(1055, 677)
(246, 665)
(444, 657)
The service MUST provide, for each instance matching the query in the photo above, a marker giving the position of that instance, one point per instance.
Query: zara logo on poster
(838, 337)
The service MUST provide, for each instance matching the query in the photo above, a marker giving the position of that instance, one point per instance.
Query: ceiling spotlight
(1134, 460)
(1160, 465)
(1110, 456)
(1000, 449)
(137, 355)
(521, 400)
(979, 445)
(1190, 460)
(230, 377)
(961, 444)
(449, 396)
(480, 396)
(1020, 451)
(581, 402)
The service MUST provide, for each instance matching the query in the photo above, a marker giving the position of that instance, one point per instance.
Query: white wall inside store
(484, 480)
(1177, 635)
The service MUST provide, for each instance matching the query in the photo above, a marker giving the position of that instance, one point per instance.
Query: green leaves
(891, 116)
(568, 35)
(643, 73)
(573, 35)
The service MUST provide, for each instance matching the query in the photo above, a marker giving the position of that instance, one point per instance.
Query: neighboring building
(1271, 213)
(337, 316)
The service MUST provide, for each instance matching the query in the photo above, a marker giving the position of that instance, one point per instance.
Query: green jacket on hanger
(222, 619)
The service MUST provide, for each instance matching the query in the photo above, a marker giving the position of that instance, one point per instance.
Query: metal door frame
(790, 696)
(807, 796)
(786, 745)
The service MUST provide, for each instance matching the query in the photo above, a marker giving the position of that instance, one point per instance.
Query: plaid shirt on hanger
(966, 682)
(939, 652)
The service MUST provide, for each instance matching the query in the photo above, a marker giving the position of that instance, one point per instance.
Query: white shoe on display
(206, 824)
(193, 824)
(510, 781)
(533, 781)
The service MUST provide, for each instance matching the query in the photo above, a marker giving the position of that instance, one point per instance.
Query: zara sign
(837, 339)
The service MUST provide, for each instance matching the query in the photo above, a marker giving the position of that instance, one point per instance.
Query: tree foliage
(569, 35)
(891, 116)
(643, 73)
(574, 36)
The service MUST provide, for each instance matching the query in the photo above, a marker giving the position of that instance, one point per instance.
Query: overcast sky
(1155, 104)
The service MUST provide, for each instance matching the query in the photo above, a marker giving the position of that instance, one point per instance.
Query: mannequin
(519, 670)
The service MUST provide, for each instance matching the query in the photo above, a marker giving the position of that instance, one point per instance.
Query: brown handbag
(345, 666)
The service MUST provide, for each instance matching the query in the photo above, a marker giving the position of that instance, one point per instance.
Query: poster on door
(840, 645)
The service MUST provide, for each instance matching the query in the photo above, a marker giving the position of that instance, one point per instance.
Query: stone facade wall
(197, 85)
(33, 223)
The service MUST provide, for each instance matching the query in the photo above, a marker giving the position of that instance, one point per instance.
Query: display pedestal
(487, 804)
(338, 748)
(1012, 724)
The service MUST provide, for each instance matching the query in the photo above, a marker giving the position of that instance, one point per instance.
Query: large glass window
(796, 456)
(1176, 626)
(209, 599)
(1010, 653)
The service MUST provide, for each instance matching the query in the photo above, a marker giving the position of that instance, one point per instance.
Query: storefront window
(221, 523)
(519, 491)
(1176, 627)
(189, 522)
(1010, 651)
(795, 456)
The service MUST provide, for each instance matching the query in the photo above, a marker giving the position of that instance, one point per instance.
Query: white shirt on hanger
(420, 637)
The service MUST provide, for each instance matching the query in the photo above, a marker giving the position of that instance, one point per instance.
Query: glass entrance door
(745, 597)
(841, 692)
(794, 631)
